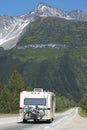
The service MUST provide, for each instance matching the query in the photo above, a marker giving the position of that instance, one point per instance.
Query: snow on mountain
(11, 28)
(78, 15)
(44, 10)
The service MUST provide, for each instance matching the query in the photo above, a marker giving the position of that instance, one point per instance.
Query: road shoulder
(75, 123)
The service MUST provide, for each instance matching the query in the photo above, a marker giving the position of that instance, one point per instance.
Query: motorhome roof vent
(38, 90)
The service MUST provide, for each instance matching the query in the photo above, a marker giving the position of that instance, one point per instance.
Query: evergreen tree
(5, 100)
(16, 85)
(83, 103)
(63, 103)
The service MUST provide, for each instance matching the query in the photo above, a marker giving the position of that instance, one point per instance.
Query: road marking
(67, 117)
(46, 127)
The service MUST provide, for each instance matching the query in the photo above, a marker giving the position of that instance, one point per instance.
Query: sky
(20, 7)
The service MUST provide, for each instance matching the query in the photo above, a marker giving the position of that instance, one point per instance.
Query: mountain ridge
(54, 32)
(12, 28)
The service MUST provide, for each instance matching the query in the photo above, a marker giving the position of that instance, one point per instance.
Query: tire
(24, 121)
(36, 120)
(52, 119)
(49, 121)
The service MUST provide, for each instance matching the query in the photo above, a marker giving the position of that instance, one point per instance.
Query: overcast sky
(19, 7)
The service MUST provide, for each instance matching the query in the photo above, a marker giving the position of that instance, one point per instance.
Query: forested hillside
(63, 71)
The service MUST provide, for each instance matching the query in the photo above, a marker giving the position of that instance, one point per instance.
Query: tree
(15, 85)
(5, 100)
(61, 103)
(83, 103)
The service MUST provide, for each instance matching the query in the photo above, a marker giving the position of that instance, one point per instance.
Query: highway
(14, 123)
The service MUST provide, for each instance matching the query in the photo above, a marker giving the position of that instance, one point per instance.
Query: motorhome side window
(34, 101)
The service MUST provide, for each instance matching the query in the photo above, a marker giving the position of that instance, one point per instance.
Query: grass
(8, 115)
(64, 110)
(82, 113)
(38, 54)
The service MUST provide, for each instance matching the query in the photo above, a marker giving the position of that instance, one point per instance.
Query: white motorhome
(37, 105)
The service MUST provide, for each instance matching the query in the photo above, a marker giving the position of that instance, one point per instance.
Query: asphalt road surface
(61, 122)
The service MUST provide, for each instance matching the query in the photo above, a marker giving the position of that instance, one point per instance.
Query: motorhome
(37, 105)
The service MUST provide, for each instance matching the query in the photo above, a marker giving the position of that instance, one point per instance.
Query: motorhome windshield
(35, 101)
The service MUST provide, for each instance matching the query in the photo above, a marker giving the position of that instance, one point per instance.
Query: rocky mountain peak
(42, 8)
(78, 11)
(11, 28)
(40, 5)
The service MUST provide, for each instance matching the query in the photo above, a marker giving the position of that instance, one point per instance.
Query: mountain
(13, 28)
(49, 50)
(78, 15)
(54, 32)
